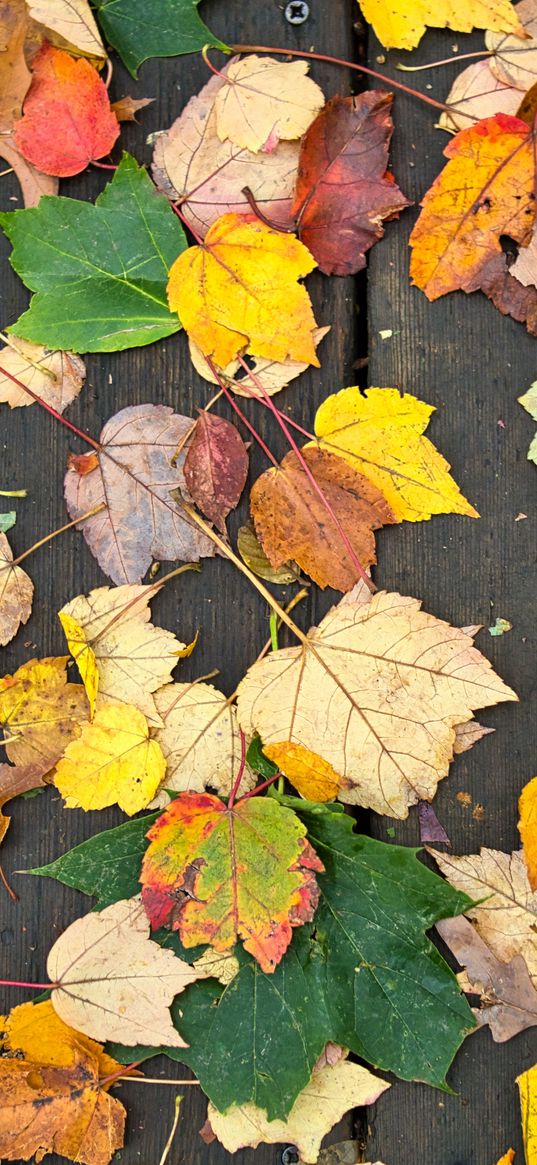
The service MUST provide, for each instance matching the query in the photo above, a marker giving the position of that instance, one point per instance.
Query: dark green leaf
(100, 272)
(7, 521)
(163, 28)
(258, 762)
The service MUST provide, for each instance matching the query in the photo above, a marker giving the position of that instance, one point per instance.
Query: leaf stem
(273, 624)
(176, 207)
(53, 413)
(60, 530)
(33, 363)
(173, 1130)
(154, 1080)
(121, 1074)
(13, 493)
(240, 413)
(32, 986)
(448, 61)
(250, 198)
(14, 897)
(260, 788)
(240, 773)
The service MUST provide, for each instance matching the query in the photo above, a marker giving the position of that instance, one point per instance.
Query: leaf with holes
(216, 467)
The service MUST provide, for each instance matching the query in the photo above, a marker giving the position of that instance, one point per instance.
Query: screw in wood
(297, 12)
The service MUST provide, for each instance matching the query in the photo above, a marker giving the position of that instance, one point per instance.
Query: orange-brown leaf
(127, 107)
(13, 782)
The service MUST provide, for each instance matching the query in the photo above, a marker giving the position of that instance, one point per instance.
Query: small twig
(28, 359)
(168, 1145)
(454, 60)
(60, 530)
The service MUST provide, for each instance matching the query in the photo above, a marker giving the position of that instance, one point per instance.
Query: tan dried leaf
(466, 735)
(71, 25)
(16, 594)
(134, 658)
(374, 695)
(271, 374)
(56, 377)
(264, 101)
(127, 107)
(515, 60)
(32, 182)
(477, 93)
(114, 983)
(221, 965)
(15, 76)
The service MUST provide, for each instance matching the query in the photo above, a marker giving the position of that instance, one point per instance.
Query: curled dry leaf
(56, 377)
(527, 1088)
(217, 874)
(252, 553)
(514, 60)
(331, 1092)
(215, 467)
(529, 402)
(527, 825)
(476, 94)
(400, 24)
(264, 100)
(293, 522)
(466, 735)
(344, 192)
(40, 712)
(380, 433)
(200, 740)
(508, 996)
(113, 762)
(367, 707)
(190, 163)
(273, 375)
(16, 594)
(112, 982)
(52, 1097)
(133, 657)
(245, 276)
(133, 475)
(71, 24)
(67, 121)
(127, 107)
(15, 780)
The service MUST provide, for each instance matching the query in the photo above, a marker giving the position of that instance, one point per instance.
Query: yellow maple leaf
(400, 24)
(83, 656)
(40, 712)
(527, 1087)
(380, 434)
(36, 1030)
(113, 762)
(527, 826)
(265, 101)
(239, 291)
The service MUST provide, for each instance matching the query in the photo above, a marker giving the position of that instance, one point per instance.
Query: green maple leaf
(163, 28)
(100, 272)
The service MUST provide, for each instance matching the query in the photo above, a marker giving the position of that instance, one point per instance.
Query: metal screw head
(297, 12)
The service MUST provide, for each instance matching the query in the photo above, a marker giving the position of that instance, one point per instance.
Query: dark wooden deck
(460, 355)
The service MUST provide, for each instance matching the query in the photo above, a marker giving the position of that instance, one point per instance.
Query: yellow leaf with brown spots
(40, 712)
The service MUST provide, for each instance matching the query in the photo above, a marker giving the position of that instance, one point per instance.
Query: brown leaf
(216, 467)
(13, 782)
(293, 523)
(344, 193)
(56, 377)
(15, 76)
(33, 183)
(505, 290)
(127, 107)
(16, 594)
(133, 474)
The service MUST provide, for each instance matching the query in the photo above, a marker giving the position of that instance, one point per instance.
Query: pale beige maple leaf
(56, 377)
(475, 94)
(514, 60)
(264, 101)
(273, 375)
(71, 25)
(114, 982)
(16, 594)
(370, 703)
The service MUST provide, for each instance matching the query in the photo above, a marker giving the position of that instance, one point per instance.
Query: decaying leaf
(252, 553)
(380, 433)
(264, 100)
(476, 94)
(524, 270)
(200, 740)
(331, 1092)
(133, 475)
(191, 163)
(466, 735)
(127, 107)
(217, 874)
(67, 121)
(508, 996)
(514, 60)
(112, 762)
(221, 965)
(368, 706)
(240, 291)
(15, 76)
(271, 374)
(69, 23)
(431, 829)
(527, 1087)
(527, 807)
(133, 657)
(15, 780)
(292, 520)
(344, 193)
(400, 24)
(52, 1097)
(16, 594)
(40, 712)
(529, 402)
(112, 982)
(33, 183)
(215, 467)
(56, 377)
(507, 917)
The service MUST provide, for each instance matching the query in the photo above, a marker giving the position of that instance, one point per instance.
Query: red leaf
(216, 467)
(67, 120)
(343, 192)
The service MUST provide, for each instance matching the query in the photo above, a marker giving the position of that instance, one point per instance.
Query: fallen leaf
(112, 982)
(344, 192)
(293, 522)
(221, 965)
(508, 996)
(527, 1087)
(252, 553)
(215, 467)
(529, 402)
(16, 594)
(112, 762)
(331, 1092)
(56, 377)
(208, 176)
(133, 657)
(40, 712)
(15, 76)
(71, 24)
(500, 627)
(514, 60)
(401, 25)
(272, 375)
(7, 521)
(53, 1099)
(507, 917)
(527, 827)
(115, 287)
(133, 474)
(507, 1158)
(200, 740)
(67, 121)
(245, 276)
(13, 782)
(485, 192)
(380, 433)
(33, 183)
(476, 94)
(430, 827)
(466, 735)
(167, 29)
(524, 270)
(127, 107)
(217, 874)
(264, 101)
(374, 696)
(83, 656)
